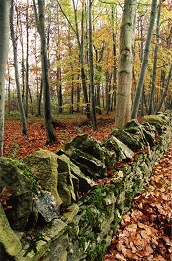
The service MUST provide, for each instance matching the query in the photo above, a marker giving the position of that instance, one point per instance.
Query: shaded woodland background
(67, 29)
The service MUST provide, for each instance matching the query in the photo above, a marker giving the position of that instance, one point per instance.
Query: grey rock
(46, 206)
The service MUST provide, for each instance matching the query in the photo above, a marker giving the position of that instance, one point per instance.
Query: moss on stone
(27, 172)
(98, 253)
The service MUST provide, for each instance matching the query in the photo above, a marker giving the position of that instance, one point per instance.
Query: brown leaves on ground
(145, 231)
(16, 145)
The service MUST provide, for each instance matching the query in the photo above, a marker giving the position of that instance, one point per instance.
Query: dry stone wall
(92, 212)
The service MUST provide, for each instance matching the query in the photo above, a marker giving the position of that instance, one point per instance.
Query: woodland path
(146, 229)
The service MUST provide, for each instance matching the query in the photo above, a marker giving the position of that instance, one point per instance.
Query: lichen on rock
(43, 165)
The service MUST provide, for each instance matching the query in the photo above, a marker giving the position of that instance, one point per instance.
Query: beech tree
(17, 79)
(123, 98)
(4, 39)
(51, 137)
(93, 104)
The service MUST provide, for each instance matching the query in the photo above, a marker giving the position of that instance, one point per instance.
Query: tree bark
(51, 137)
(80, 41)
(19, 98)
(27, 61)
(93, 104)
(166, 89)
(4, 41)
(123, 98)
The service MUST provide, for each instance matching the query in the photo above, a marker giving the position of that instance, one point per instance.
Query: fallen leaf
(131, 228)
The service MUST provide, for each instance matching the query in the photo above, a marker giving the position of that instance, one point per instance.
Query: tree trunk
(93, 104)
(59, 87)
(4, 40)
(98, 76)
(166, 89)
(58, 68)
(40, 98)
(114, 58)
(81, 58)
(123, 98)
(47, 105)
(78, 95)
(144, 61)
(9, 91)
(19, 98)
(27, 61)
(19, 22)
(108, 92)
(151, 101)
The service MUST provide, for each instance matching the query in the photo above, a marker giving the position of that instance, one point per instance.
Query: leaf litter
(145, 231)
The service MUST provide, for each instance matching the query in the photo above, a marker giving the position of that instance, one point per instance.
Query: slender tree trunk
(27, 61)
(144, 61)
(81, 56)
(19, 98)
(22, 54)
(114, 58)
(40, 98)
(108, 89)
(93, 104)
(125, 71)
(9, 91)
(99, 57)
(59, 87)
(78, 95)
(59, 82)
(151, 101)
(47, 105)
(166, 89)
(4, 40)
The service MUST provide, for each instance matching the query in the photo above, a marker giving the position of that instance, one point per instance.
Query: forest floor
(66, 127)
(145, 230)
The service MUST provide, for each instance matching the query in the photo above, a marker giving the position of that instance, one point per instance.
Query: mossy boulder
(89, 155)
(89, 165)
(21, 186)
(132, 137)
(87, 145)
(43, 164)
(68, 184)
(150, 133)
(160, 122)
(119, 151)
(71, 181)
